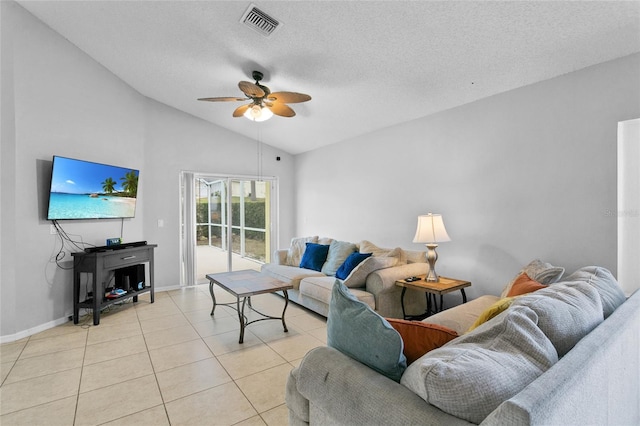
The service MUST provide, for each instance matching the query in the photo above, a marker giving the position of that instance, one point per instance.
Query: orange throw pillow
(523, 285)
(420, 337)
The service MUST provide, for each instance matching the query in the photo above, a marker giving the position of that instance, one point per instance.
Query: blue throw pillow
(314, 256)
(350, 263)
(356, 330)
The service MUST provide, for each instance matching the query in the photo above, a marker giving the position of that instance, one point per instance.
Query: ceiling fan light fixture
(264, 103)
(258, 113)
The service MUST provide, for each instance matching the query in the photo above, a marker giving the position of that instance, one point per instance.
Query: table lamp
(431, 231)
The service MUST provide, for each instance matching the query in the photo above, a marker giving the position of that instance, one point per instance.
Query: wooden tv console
(100, 265)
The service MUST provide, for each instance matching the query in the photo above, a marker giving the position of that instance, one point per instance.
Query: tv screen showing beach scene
(86, 190)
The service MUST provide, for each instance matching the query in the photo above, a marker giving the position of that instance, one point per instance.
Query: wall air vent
(259, 21)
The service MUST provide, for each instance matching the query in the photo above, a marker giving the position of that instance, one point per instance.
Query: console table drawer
(118, 260)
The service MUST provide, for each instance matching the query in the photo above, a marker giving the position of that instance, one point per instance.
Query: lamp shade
(430, 229)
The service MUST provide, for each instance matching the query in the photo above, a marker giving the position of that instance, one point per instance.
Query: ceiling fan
(264, 104)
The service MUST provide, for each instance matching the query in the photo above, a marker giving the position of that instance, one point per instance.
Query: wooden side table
(431, 289)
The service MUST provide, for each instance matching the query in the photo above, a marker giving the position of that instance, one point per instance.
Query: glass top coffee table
(243, 285)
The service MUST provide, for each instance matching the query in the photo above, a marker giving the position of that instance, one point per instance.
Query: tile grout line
(84, 354)
(153, 367)
(186, 302)
(14, 362)
(230, 376)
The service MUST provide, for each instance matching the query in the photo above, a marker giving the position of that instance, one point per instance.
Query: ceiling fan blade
(288, 97)
(239, 112)
(222, 99)
(251, 90)
(281, 109)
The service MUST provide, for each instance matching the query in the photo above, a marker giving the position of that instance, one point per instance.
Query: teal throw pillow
(314, 256)
(350, 263)
(356, 330)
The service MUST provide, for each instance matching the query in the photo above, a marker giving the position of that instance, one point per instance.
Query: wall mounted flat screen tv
(86, 190)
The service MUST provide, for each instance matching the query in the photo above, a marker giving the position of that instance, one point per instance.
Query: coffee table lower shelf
(243, 285)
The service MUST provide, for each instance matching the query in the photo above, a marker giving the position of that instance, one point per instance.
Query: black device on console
(115, 247)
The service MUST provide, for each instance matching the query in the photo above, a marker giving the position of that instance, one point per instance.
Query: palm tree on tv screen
(130, 183)
(109, 185)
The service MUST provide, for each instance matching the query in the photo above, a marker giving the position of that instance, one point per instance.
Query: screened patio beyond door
(232, 213)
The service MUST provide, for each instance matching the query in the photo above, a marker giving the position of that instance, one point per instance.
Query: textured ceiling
(367, 65)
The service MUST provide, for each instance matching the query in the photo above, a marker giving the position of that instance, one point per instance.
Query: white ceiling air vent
(259, 21)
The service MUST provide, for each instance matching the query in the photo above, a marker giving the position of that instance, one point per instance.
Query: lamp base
(432, 257)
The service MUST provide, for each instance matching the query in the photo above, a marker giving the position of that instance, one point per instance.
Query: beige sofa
(372, 281)
(568, 354)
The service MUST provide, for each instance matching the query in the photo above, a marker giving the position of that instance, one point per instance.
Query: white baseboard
(34, 330)
(42, 327)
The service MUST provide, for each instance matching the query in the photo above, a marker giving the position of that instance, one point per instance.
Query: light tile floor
(166, 363)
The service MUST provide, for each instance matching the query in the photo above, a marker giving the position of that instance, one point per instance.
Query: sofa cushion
(339, 251)
(567, 312)
(491, 312)
(472, 375)
(319, 288)
(523, 284)
(358, 276)
(544, 273)
(289, 274)
(462, 316)
(603, 281)
(419, 337)
(356, 330)
(369, 247)
(296, 249)
(314, 256)
(350, 264)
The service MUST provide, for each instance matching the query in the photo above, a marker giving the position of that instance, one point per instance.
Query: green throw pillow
(356, 330)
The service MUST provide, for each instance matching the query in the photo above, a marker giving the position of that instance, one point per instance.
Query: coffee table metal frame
(244, 284)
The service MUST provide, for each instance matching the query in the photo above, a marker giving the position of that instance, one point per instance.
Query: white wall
(7, 169)
(66, 104)
(57, 100)
(526, 174)
(628, 212)
(176, 142)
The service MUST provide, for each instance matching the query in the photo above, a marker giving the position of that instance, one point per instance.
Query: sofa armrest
(382, 284)
(342, 391)
(280, 257)
(297, 404)
(586, 386)
(384, 280)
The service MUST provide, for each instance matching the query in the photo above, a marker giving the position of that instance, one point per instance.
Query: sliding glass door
(227, 224)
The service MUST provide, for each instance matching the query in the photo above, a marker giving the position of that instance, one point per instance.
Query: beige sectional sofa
(372, 281)
(567, 354)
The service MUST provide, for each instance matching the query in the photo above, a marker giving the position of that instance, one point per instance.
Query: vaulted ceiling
(366, 64)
